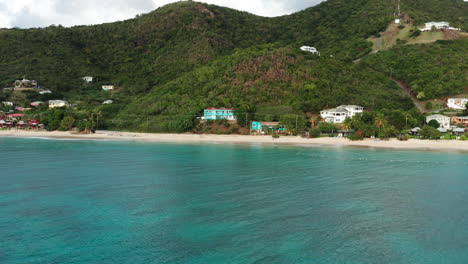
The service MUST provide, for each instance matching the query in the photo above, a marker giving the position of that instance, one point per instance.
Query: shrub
(388, 132)
(403, 137)
(464, 136)
(433, 123)
(415, 33)
(314, 133)
(356, 136)
(275, 136)
(429, 132)
(235, 130)
(429, 105)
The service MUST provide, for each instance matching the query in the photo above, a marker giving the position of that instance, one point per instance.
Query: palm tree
(347, 124)
(380, 121)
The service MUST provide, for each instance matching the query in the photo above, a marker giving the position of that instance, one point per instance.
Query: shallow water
(118, 202)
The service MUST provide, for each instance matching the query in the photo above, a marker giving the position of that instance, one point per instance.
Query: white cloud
(40, 13)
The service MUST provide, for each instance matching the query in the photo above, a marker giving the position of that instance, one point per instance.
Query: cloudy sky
(40, 13)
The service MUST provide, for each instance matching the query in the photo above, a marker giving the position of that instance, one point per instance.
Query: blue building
(219, 114)
(264, 126)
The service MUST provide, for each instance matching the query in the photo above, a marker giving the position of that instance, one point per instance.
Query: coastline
(415, 144)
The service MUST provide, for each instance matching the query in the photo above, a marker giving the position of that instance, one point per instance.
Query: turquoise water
(117, 202)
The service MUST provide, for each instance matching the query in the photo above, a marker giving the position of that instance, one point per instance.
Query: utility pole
(296, 123)
(97, 123)
(406, 122)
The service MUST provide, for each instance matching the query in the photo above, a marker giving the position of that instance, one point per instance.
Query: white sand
(194, 138)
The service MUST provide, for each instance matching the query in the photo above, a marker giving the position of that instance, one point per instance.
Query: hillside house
(338, 115)
(45, 92)
(458, 131)
(438, 26)
(460, 120)
(108, 102)
(7, 103)
(24, 85)
(58, 103)
(219, 114)
(310, 49)
(108, 87)
(88, 79)
(444, 121)
(457, 103)
(262, 127)
(37, 104)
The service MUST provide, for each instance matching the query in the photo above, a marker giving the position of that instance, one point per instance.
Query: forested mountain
(186, 56)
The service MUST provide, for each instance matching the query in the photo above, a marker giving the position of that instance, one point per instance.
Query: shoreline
(412, 144)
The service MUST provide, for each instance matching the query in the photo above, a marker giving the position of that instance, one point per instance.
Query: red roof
(222, 108)
(15, 115)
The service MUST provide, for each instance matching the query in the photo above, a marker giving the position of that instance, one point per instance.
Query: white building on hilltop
(310, 49)
(88, 79)
(438, 25)
(444, 121)
(338, 115)
(58, 103)
(457, 103)
(108, 87)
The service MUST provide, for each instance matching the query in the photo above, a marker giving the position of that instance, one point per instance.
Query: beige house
(108, 87)
(460, 120)
(58, 103)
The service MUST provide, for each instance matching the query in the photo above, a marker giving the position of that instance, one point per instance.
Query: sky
(42, 13)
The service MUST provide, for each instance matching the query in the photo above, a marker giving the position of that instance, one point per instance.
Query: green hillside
(186, 56)
(281, 80)
(431, 70)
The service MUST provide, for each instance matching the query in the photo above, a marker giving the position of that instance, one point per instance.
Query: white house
(108, 102)
(444, 121)
(7, 103)
(88, 79)
(45, 92)
(108, 87)
(457, 103)
(339, 114)
(438, 25)
(25, 84)
(58, 103)
(310, 49)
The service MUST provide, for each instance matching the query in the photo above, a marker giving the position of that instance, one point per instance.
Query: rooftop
(437, 116)
(222, 108)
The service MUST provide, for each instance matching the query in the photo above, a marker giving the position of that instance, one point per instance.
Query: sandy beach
(242, 139)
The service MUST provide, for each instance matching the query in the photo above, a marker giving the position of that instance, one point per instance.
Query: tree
(67, 123)
(347, 124)
(429, 132)
(293, 123)
(433, 123)
(325, 127)
(465, 112)
(380, 121)
(388, 132)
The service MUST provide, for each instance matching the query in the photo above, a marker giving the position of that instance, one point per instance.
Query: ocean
(67, 201)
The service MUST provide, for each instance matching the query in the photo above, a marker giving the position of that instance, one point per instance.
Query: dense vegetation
(262, 80)
(169, 64)
(431, 70)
